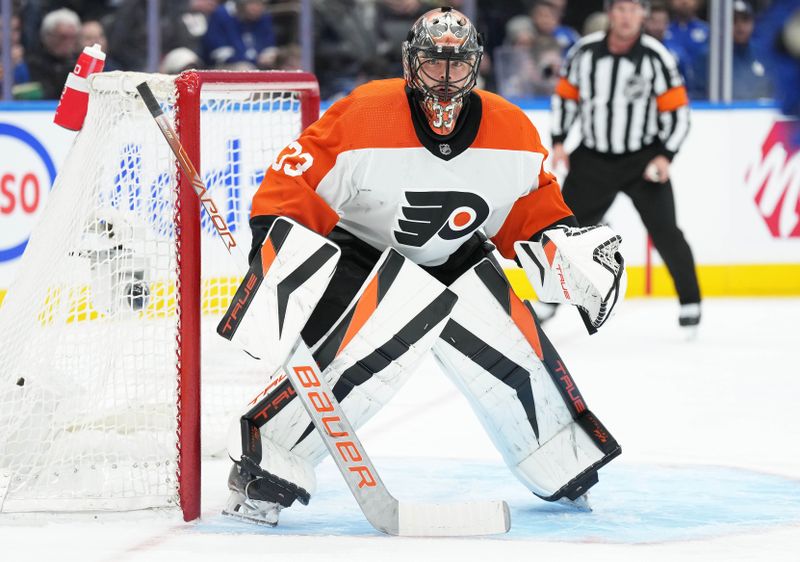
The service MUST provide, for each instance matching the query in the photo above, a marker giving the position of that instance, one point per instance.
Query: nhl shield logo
(445, 149)
(634, 88)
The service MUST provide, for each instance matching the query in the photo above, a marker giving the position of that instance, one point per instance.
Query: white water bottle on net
(110, 322)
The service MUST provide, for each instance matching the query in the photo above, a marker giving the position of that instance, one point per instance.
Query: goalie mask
(440, 64)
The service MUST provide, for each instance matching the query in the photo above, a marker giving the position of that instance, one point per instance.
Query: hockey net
(111, 318)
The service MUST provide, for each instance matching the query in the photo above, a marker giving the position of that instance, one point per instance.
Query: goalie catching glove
(579, 266)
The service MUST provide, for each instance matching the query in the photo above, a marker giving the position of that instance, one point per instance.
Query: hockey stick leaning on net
(381, 509)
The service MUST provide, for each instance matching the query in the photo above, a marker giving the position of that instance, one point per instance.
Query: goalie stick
(382, 510)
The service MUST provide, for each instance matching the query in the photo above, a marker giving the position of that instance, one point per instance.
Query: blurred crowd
(354, 40)
(528, 60)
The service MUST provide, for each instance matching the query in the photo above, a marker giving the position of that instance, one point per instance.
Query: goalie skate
(260, 512)
(258, 496)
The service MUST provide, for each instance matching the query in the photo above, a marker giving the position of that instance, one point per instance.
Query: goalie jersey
(372, 166)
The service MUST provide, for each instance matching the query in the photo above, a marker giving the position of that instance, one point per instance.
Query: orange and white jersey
(372, 166)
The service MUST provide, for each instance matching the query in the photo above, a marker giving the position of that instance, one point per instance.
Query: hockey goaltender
(417, 181)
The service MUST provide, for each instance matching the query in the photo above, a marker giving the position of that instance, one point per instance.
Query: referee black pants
(592, 185)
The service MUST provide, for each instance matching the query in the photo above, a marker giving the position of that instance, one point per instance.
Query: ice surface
(710, 468)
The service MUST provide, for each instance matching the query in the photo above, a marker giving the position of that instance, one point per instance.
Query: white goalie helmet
(441, 57)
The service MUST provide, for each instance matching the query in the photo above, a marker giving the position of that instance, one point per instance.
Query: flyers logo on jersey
(450, 215)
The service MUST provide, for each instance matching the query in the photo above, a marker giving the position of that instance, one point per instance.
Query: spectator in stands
(692, 34)
(178, 60)
(346, 49)
(548, 58)
(513, 62)
(750, 80)
(127, 33)
(575, 13)
(290, 57)
(546, 17)
(195, 22)
(86, 9)
(657, 21)
(657, 25)
(560, 5)
(520, 32)
(240, 31)
(32, 11)
(49, 66)
(92, 33)
(494, 18)
(20, 68)
(527, 64)
(596, 21)
(30, 15)
(393, 20)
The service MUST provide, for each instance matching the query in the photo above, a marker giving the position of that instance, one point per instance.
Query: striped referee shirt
(624, 102)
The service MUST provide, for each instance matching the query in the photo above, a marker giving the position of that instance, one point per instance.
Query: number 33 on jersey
(299, 161)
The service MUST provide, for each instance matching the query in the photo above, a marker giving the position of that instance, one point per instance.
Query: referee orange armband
(672, 99)
(566, 90)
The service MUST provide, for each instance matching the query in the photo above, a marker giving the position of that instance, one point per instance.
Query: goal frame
(189, 86)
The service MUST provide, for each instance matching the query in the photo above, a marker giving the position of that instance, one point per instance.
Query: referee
(625, 90)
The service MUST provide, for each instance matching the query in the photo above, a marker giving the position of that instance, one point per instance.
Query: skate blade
(579, 504)
(251, 511)
(248, 518)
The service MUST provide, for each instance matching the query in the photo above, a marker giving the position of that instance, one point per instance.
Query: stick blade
(453, 519)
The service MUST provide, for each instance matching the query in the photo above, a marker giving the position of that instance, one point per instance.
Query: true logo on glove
(563, 283)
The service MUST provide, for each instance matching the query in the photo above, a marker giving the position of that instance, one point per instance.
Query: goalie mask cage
(120, 289)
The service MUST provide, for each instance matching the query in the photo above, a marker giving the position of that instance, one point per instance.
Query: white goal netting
(89, 362)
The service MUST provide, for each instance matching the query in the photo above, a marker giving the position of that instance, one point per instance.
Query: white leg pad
(494, 352)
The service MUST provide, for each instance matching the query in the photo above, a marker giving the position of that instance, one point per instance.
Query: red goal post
(189, 86)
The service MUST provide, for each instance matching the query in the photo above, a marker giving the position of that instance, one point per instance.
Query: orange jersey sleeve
(289, 185)
(530, 214)
(543, 205)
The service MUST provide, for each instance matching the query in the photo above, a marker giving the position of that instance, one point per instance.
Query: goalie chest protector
(372, 166)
